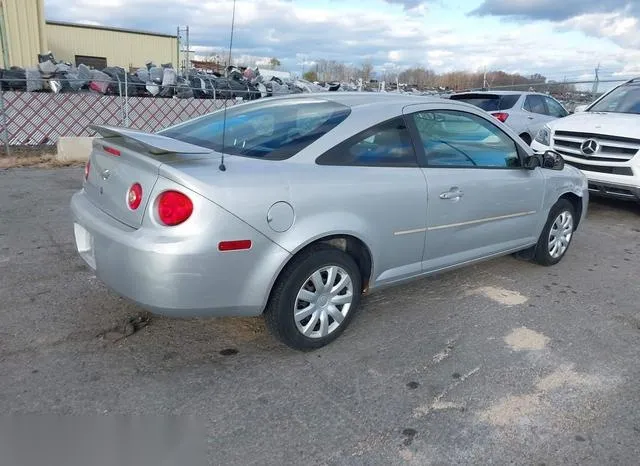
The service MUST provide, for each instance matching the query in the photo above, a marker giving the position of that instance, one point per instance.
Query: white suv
(603, 141)
(524, 112)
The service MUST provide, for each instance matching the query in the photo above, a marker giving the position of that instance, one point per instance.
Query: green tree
(310, 76)
(274, 62)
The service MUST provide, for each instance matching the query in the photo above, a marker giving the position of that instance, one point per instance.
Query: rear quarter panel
(326, 200)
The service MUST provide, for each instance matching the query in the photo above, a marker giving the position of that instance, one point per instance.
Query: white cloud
(619, 27)
(298, 35)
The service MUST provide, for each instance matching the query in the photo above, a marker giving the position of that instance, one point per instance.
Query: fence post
(5, 127)
(121, 100)
(126, 101)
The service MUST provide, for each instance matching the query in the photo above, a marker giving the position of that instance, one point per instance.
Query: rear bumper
(177, 275)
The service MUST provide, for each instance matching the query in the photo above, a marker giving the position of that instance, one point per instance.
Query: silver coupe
(295, 206)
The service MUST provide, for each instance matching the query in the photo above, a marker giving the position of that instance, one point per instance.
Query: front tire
(557, 234)
(315, 298)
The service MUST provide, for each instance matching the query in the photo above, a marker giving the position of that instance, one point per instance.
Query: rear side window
(385, 145)
(273, 130)
(555, 109)
(489, 102)
(535, 104)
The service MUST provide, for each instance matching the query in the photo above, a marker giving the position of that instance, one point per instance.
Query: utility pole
(596, 83)
(186, 62)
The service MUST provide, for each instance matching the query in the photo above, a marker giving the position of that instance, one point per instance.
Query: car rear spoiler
(156, 143)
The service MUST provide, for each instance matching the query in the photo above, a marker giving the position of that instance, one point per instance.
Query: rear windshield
(489, 102)
(273, 130)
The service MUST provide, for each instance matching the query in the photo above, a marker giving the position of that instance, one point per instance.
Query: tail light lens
(112, 151)
(501, 116)
(134, 197)
(174, 208)
(87, 169)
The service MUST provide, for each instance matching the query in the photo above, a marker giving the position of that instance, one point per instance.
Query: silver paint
(397, 213)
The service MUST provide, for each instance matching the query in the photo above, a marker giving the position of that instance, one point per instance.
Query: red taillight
(174, 208)
(501, 116)
(87, 169)
(134, 196)
(112, 151)
(236, 245)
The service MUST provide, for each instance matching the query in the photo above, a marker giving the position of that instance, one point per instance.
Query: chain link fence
(39, 119)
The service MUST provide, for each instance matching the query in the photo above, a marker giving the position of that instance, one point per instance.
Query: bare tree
(366, 71)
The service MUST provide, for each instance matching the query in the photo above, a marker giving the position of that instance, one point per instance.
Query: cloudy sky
(558, 38)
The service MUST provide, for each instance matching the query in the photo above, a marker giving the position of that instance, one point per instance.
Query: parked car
(524, 112)
(317, 199)
(603, 141)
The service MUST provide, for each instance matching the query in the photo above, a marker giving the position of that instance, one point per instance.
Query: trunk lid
(123, 157)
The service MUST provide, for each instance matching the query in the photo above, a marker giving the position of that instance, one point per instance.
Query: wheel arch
(576, 201)
(349, 243)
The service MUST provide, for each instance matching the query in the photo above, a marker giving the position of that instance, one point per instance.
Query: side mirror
(532, 162)
(552, 160)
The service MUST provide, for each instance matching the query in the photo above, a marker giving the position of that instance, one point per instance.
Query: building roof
(108, 28)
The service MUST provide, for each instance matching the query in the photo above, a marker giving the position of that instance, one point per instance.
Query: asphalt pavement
(503, 362)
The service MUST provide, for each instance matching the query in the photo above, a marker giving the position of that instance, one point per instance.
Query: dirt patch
(523, 409)
(512, 410)
(524, 339)
(565, 376)
(501, 295)
(36, 161)
(406, 454)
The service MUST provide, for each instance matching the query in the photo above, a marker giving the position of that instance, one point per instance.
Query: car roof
(496, 92)
(360, 99)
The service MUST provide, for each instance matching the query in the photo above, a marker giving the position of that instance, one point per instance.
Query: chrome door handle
(453, 193)
(530, 118)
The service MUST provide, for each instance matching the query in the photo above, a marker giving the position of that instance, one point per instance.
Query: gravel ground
(503, 362)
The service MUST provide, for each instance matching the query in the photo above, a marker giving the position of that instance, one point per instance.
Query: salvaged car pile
(152, 80)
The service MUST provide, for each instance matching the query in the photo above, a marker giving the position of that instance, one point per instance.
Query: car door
(481, 201)
(537, 113)
(375, 175)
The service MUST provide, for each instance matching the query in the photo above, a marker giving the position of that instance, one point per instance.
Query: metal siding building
(120, 47)
(24, 34)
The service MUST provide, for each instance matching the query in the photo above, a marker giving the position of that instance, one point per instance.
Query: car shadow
(599, 203)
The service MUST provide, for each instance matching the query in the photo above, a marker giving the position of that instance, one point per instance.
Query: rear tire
(556, 236)
(306, 309)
